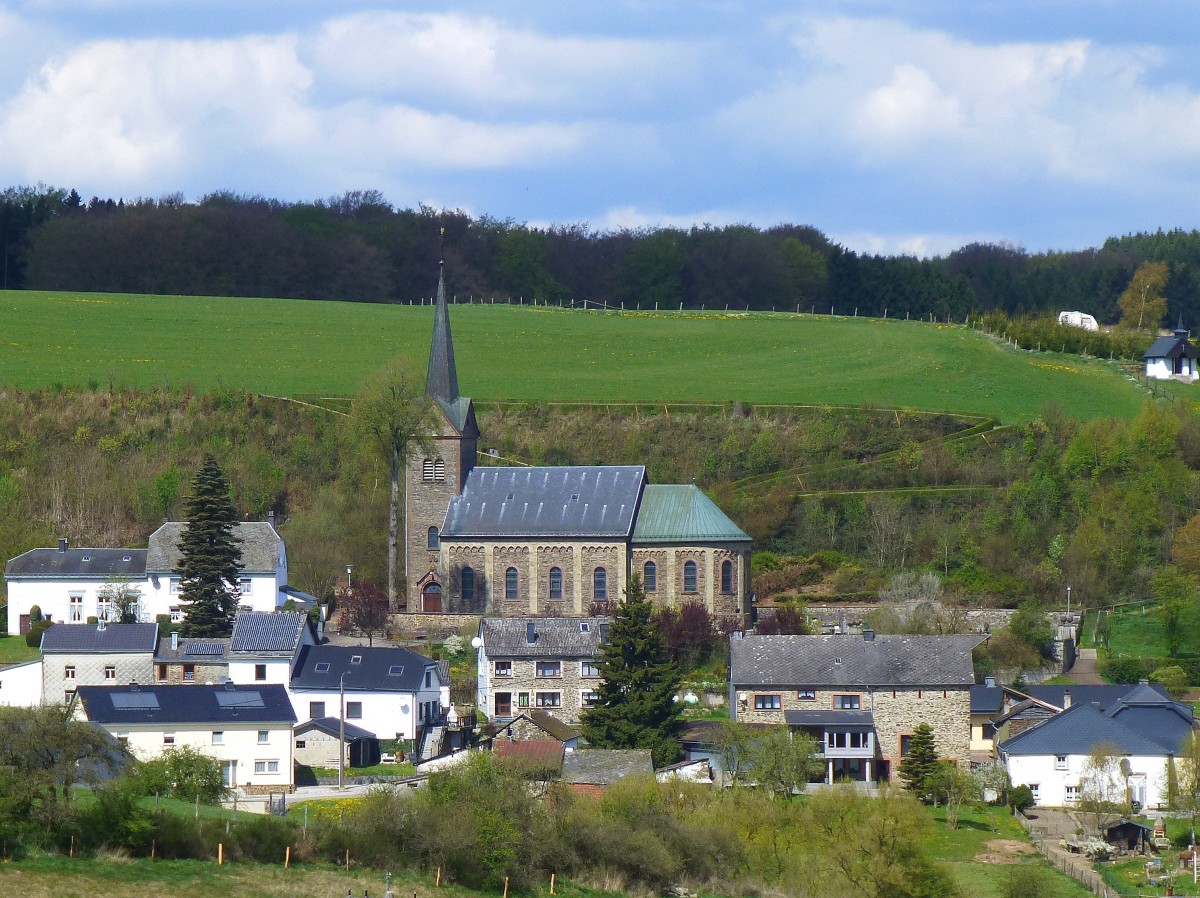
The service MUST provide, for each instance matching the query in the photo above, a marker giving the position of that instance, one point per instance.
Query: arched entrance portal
(431, 598)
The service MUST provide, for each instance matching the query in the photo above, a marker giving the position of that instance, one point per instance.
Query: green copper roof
(677, 512)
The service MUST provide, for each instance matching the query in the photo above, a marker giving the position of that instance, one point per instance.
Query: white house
(66, 583)
(264, 646)
(391, 692)
(21, 684)
(1053, 757)
(1173, 357)
(248, 729)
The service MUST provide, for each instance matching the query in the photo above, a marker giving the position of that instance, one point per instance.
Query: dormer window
(583, 627)
(126, 558)
(87, 557)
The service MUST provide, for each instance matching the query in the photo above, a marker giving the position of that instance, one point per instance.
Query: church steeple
(442, 380)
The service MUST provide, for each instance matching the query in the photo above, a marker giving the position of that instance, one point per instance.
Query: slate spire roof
(442, 380)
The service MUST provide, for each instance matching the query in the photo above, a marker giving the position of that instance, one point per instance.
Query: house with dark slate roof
(67, 584)
(247, 728)
(1144, 726)
(553, 540)
(548, 664)
(264, 648)
(1173, 357)
(860, 697)
(75, 655)
(589, 771)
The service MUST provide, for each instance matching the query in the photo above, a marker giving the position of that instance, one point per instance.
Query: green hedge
(1131, 670)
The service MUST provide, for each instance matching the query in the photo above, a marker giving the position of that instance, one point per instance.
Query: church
(550, 541)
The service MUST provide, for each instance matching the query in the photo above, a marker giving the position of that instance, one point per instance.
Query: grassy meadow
(306, 348)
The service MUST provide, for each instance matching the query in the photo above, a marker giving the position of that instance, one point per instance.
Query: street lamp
(1068, 601)
(342, 731)
(348, 568)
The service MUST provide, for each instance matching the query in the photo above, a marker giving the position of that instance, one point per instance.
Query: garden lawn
(1139, 634)
(13, 650)
(510, 353)
(958, 850)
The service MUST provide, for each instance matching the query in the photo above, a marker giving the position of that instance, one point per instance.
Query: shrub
(262, 838)
(1175, 678)
(1020, 798)
(183, 773)
(117, 820)
(33, 638)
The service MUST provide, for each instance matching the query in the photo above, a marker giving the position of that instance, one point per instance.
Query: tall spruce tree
(919, 766)
(211, 556)
(636, 706)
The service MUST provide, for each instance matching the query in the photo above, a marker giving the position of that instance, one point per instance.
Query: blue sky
(911, 127)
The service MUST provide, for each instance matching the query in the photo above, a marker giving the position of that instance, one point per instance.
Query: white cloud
(482, 61)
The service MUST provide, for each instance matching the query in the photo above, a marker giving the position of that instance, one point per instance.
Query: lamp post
(348, 569)
(342, 731)
(1068, 601)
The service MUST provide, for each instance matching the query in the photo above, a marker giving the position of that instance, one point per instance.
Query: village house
(1173, 357)
(548, 664)
(1145, 728)
(553, 540)
(589, 771)
(191, 660)
(860, 697)
(247, 728)
(68, 584)
(99, 654)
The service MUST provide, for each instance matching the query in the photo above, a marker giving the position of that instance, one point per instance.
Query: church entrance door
(431, 598)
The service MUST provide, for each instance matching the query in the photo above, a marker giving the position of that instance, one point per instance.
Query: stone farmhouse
(66, 583)
(861, 697)
(100, 655)
(548, 664)
(552, 540)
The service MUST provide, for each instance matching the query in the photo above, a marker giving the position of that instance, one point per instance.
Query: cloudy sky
(908, 127)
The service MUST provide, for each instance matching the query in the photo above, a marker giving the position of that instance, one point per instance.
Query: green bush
(1020, 798)
(262, 838)
(1026, 881)
(1175, 678)
(183, 773)
(116, 819)
(33, 638)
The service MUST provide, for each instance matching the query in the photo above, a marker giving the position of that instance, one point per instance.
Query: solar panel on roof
(240, 699)
(131, 701)
(205, 648)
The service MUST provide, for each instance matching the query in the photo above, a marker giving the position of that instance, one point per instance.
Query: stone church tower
(436, 476)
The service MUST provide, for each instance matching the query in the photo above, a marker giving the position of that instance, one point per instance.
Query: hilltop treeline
(359, 247)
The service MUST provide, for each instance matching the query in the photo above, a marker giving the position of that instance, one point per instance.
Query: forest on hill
(846, 497)
(358, 247)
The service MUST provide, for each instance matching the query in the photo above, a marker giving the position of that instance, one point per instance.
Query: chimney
(530, 635)
(989, 682)
(1066, 699)
(271, 518)
(174, 641)
(62, 544)
(868, 634)
(100, 625)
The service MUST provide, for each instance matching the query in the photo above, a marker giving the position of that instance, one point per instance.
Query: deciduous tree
(782, 762)
(636, 706)
(363, 607)
(210, 556)
(1143, 304)
(394, 414)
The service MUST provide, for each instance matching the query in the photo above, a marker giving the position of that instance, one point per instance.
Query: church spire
(442, 380)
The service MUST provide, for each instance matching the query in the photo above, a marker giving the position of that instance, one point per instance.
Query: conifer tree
(636, 706)
(211, 556)
(921, 763)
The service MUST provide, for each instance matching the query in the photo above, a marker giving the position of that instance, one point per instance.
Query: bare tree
(363, 607)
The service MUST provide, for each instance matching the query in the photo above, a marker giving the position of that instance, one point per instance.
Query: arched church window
(726, 576)
(432, 538)
(650, 576)
(511, 582)
(468, 584)
(555, 584)
(600, 585)
(689, 577)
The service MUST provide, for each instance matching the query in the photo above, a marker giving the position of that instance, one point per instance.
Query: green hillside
(295, 347)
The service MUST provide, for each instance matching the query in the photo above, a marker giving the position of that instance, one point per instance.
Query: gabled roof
(551, 725)
(1077, 731)
(604, 766)
(90, 639)
(1171, 347)
(259, 542)
(1105, 694)
(194, 651)
(987, 699)
(852, 661)
(83, 564)
(227, 705)
(553, 637)
(598, 501)
(681, 513)
(540, 752)
(267, 632)
(332, 726)
(377, 669)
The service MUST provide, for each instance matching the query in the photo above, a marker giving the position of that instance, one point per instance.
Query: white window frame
(218, 737)
(845, 701)
(264, 737)
(75, 601)
(1061, 762)
(265, 767)
(168, 738)
(176, 612)
(69, 672)
(547, 699)
(1071, 794)
(245, 585)
(768, 701)
(110, 671)
(589, 669)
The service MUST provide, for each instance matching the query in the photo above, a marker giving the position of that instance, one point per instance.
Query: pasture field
(297, 347)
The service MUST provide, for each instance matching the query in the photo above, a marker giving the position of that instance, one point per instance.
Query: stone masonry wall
(426, 503)
(570, 684)
(89, 670)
